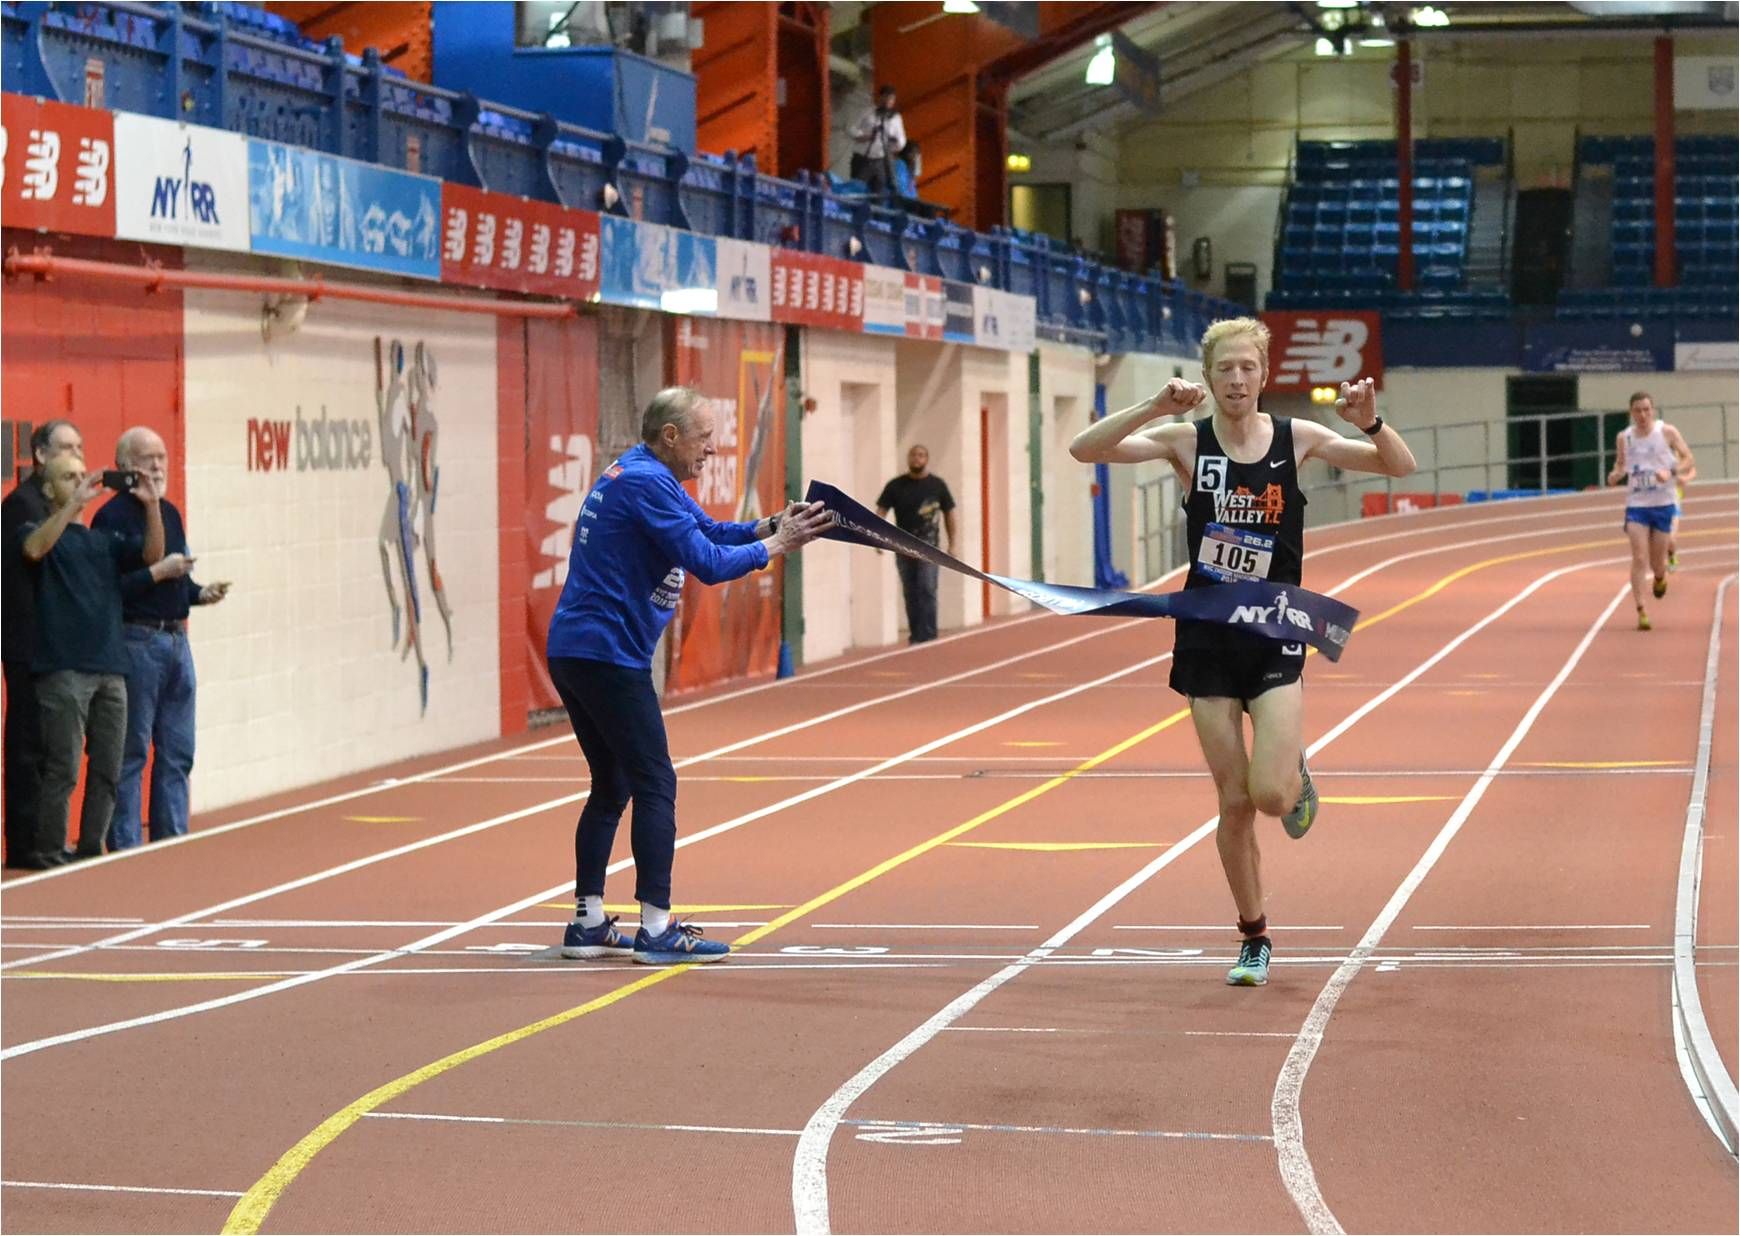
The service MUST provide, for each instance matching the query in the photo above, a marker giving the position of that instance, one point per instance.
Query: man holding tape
(637, 535)
(1245, 516)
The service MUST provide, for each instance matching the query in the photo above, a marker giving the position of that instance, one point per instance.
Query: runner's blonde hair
(1225, 329)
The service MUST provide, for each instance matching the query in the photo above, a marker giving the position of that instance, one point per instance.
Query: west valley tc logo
(1323, 348)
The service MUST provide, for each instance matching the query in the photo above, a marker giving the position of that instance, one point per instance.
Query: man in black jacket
(26, 504)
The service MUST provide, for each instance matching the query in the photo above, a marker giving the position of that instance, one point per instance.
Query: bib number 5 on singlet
(1234, 555)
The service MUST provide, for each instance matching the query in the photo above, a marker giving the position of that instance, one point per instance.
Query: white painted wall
(1066, 399)
(300, 680)
(940, 389)
(850, 595)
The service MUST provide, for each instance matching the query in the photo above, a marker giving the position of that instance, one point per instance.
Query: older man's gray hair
(675, 405)
(128, 444)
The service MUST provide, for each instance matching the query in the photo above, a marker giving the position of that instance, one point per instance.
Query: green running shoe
(1253, 967)
(1298, 821)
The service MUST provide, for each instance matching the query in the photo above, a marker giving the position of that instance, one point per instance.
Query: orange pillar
(737, 81)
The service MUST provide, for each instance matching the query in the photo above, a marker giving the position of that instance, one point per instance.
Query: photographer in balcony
(884, 136)
(78, 661)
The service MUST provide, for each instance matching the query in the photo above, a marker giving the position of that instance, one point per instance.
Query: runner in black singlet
(1245, 520)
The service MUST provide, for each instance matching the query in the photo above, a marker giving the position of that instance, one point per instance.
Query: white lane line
(941, 1127)
(524, 751)
(194, 916)
(1564, 509)
(1297, 1174)
(1534, 926)
(809, 1187)
(1230, 1034)
(621, 1125)
(108, 1188)
(525, 903)
(1701, 1064)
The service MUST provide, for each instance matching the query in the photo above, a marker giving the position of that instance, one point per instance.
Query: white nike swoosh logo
(1276, 463)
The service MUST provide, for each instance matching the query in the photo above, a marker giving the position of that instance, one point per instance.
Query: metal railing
(1457, 458)
(1516, 454)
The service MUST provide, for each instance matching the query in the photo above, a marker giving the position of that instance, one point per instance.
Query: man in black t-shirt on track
(1244, 520)
(920, 502)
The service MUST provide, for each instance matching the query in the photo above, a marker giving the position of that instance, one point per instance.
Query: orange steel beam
(951, 74)
(736, 80)
(400, 31)
(154, 277)
(802, 64)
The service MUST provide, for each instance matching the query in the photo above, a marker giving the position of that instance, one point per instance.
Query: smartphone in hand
(121, 481)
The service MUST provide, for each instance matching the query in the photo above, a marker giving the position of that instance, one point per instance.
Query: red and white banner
(1323, 347)
(495, 240)
(812, 290)
(926, 307)
(59, 167)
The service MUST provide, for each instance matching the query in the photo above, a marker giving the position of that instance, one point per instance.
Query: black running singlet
(1243, 521)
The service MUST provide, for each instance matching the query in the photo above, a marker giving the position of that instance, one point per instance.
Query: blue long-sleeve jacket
(638, 533)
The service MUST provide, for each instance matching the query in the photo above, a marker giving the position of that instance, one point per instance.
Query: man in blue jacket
(638, 534)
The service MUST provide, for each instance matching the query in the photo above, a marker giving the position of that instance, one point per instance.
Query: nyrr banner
(732, 630)
(180, 184)
(59, 167)
(561, 437)
(745, 280)
(304, 204)
(1003, 320)
(1324, 348)
(494, 240)
(1279, 611)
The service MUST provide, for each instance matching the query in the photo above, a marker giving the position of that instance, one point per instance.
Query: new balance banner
(1279, 611)
(1323, 348)
(810, 289)
(59, 173)
(495, 240)
(732, 630)
(561, 437)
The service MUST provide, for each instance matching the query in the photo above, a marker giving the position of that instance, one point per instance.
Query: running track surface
(985, 933)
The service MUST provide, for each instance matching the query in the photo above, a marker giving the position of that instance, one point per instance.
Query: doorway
(1543, 245)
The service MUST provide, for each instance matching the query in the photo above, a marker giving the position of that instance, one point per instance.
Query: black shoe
(37, 862)
(80, 854)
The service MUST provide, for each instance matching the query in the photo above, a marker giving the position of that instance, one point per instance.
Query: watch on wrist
(772, 524)
(1371, 430)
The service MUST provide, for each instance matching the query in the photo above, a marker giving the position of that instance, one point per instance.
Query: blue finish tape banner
(304, 204)
(1279, 611)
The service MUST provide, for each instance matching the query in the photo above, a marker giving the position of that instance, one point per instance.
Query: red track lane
(1117, 1085)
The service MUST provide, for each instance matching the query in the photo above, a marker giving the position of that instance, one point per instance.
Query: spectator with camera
(884, 135)
(78, 661)
(159, 679)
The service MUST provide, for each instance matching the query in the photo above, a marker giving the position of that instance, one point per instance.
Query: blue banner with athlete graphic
(1283, 612)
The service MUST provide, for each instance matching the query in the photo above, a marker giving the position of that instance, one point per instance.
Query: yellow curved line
(257, 1202)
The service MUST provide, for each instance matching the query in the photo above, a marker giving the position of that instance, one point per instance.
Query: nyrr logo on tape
(1280, 611)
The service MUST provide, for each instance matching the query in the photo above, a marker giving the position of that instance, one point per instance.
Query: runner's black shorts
(1229, 664)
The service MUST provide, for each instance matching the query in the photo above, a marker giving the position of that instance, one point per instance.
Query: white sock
(591, 911)
(654, 920)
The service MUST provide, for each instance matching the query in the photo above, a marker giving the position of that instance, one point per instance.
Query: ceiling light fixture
(1338, 4)
(1428, 17)
(1325, 47)
(1104, 65)
(960, 6)
(1019, 162)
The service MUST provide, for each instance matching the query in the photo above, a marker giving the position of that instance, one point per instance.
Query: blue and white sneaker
(1253, 967)
(604, 940)
(680, 944)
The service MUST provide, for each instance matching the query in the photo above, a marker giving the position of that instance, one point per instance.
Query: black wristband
(1371, 430)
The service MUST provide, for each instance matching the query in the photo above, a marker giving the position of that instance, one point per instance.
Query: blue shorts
(1656, 518)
